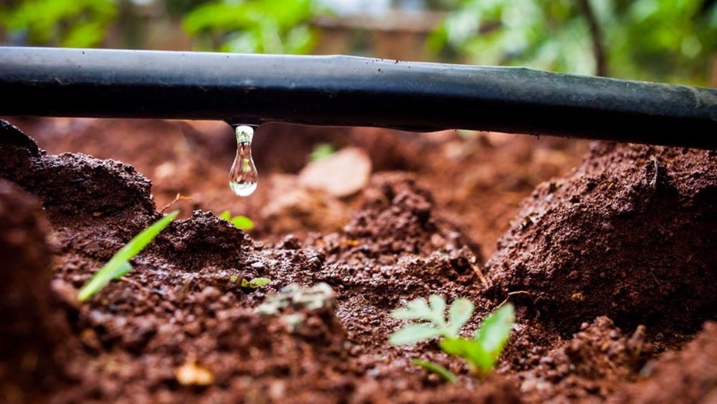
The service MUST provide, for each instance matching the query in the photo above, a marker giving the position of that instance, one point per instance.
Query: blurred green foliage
(655, 40)
(253, 26)
(78, 23)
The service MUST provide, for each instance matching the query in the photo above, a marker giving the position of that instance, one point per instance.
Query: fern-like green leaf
(460, 312)
(416, 309)
(413, 333)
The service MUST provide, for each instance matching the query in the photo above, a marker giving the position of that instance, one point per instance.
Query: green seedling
(293, 301)
(255, 283)
(317, 297)
(321, 151)
(433, 367)
(119, 266)
(481, 352)
(240, 222)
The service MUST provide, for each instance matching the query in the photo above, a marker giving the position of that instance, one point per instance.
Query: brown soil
(610, 263)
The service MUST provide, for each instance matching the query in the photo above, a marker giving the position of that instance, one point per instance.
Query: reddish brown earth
(608, 252)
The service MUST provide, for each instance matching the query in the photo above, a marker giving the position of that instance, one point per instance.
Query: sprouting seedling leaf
(413, 333)
(415, 310)
(119, 265)
(433, 367)
(322, 150)
(241, 222)
(418, 306)
(255, 283)
(469, 350)
(460, 312)
(438, 308)
(481, 352)
(431, 311)
(495, 330)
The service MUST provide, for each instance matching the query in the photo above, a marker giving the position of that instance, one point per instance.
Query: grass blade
(118, 264)
(122, 270)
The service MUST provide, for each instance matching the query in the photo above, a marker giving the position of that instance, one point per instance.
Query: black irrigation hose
(350, 91)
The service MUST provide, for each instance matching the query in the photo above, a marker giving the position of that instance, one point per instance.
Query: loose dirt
(608, 251)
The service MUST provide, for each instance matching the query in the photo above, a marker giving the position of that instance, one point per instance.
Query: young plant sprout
(433, 367)
(321, 150)
(239, 221)
(254, 283)
(119, 266)
(480, 352)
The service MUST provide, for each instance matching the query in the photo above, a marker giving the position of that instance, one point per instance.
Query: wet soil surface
(607, 251)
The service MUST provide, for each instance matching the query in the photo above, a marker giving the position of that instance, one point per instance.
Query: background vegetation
(655, 40)
(671, 41)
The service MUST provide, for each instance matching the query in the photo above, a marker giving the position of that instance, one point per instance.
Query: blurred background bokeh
(656, 40)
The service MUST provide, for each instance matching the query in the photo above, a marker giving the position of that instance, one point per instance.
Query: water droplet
(243, 177)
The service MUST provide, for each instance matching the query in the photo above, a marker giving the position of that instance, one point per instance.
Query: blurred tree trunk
(596, 37)
(130, 25)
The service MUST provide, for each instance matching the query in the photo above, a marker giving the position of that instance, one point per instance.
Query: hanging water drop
(243, 177)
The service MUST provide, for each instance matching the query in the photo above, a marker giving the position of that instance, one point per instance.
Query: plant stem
(601, 68)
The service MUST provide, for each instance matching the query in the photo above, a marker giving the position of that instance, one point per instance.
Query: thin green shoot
(481, 353)
(433, 367)
(122, 269)
(119, 266)
(241, 222)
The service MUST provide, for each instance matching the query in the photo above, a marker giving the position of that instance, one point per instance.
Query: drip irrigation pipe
(350, 91)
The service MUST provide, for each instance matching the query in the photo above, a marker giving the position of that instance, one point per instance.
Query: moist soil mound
(631, 234)
(181, 327)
